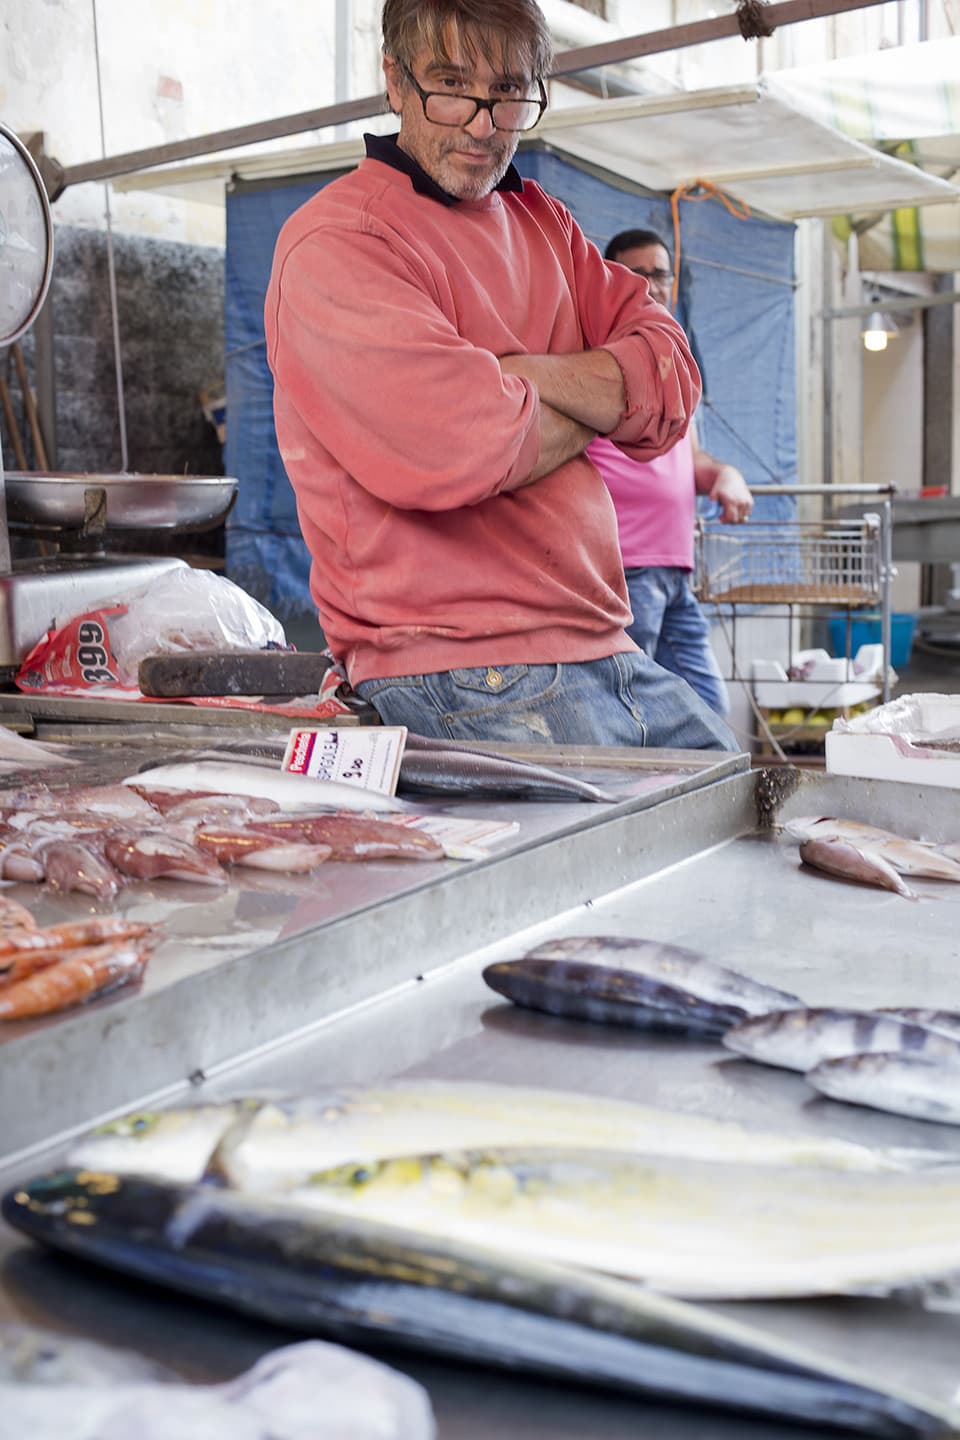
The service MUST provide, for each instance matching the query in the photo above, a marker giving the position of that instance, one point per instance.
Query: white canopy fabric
(907, 101)
(747, 140)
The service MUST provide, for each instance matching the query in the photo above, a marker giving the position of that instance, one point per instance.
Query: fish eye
(361, 1174)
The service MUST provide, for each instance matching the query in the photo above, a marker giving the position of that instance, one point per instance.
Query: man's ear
(394, 78)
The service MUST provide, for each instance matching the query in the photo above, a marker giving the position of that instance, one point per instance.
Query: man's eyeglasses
(441, 108)
(661, 275)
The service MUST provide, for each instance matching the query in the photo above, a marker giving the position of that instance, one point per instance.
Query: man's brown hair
(487, 28)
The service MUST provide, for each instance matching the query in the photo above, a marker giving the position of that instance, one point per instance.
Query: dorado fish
(372, 1284)
(291, 792)
(800, 1039)
(432, 768)
(700, 1229)
(277, 1145)
(173, 1144)
(851, 862)
(590, 991)
(914, 1085)
(674, 965)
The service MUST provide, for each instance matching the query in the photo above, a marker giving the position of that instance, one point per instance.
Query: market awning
(746, 139)
(906, 102)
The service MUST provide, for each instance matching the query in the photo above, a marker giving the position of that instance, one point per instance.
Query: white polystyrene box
(827, 682)
(910, 739)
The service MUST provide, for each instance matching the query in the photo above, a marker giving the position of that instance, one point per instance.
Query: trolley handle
(822, 489)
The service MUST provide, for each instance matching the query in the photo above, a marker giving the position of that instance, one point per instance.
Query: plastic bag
(181, 610)
(185, 610)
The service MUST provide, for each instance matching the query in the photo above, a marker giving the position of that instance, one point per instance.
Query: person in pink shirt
(655, 501)
(445, 342)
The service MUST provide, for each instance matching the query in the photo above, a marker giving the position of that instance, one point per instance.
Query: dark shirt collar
(385, 148)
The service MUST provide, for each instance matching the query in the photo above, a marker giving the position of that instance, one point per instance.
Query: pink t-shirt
(655, 501)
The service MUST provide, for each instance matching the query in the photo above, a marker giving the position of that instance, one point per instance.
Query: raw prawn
(79, 976)
(14, 916)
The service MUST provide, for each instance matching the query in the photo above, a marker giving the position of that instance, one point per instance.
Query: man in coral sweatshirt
(445, 343)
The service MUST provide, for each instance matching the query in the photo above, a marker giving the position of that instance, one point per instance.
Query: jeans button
(494, 679)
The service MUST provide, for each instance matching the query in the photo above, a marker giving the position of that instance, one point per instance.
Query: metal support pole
(568, 62)
(45, 370)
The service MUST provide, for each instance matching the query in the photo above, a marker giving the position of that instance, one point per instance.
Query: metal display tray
(51, 501)
(393, 987)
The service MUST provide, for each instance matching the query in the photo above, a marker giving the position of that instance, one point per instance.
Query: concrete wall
(170, 307)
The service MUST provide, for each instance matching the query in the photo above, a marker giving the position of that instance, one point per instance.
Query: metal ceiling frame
(675, 37)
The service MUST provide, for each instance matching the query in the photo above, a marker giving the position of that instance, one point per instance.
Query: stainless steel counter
(384, 980)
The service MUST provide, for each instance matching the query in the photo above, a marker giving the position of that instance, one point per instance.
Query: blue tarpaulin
(736, 302)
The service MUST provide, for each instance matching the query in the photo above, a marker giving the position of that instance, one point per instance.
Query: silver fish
(434, 768)
(800, 1039)
(850, 862)
(580, 990)
(291, 792)
(170, 1144)
(914, 1085)
(377, 1283)
(946, 1021)
(673, 964)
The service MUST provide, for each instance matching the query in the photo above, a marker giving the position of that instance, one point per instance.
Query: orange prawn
(14, 917)
(69, 933)
(81, 974)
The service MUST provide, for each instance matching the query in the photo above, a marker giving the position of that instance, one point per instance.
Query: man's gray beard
(483, 184)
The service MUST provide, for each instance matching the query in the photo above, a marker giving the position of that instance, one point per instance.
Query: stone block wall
(170, 307)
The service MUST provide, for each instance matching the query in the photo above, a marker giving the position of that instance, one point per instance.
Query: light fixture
(878, 329)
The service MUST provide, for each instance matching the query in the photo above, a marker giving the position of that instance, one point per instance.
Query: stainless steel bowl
(45, 500)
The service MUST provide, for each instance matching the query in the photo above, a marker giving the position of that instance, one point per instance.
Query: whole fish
(946, 1021)
(672, 964)
(850, 862)
(581, 990)
(436, 767)
(277, 1145)
(914, 1085)
(173, 1144)
(800, 1039)
(291, 792)
(908, 857)
(83, 974)
(701, 1229)
(374, 1284)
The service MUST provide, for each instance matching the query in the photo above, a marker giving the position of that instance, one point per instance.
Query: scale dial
(26, 238)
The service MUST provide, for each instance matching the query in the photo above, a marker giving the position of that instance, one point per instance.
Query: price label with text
(367, 757)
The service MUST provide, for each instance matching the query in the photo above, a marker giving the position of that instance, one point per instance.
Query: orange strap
(698, 190)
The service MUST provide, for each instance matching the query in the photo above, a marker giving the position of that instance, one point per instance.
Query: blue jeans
(670, 626)
(622, 699)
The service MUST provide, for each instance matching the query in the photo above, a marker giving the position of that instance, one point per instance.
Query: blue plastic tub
(865, 630)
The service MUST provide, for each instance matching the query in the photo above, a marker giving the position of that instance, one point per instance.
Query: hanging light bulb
(878, 330)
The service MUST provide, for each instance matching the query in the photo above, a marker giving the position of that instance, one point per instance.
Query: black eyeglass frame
(662, 275)
(478, 105)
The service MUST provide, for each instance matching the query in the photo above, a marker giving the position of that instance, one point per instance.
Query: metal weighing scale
(74, 515)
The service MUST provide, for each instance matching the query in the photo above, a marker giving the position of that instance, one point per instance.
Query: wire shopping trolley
(844, 562)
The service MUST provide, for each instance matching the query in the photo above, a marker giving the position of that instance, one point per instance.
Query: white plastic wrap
(184, 610)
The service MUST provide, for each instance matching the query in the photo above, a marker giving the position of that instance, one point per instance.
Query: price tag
(368, 757)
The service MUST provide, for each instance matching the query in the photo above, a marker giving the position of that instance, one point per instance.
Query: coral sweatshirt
(385, 314)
